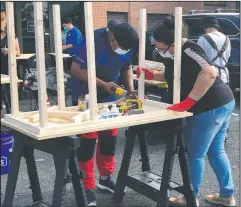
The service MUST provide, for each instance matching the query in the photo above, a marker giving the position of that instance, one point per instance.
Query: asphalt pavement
(46, 172)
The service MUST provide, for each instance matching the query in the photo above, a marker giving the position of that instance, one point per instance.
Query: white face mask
(120, 51)
(167, 54)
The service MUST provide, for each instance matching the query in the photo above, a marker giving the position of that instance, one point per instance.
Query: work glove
(149, 75)
(182, 106)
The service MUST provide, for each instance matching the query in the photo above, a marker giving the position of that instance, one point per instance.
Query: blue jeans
(205, 134)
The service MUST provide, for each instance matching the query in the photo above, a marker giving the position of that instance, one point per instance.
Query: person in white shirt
(216, 46)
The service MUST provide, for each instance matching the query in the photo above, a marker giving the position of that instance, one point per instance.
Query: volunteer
(113, 53)
(210, 100)
(73, 38)
(6, 97)
(216, 46)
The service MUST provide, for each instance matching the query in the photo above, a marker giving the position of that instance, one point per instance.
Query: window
(154, 19)
(228, 27)
(119, 16)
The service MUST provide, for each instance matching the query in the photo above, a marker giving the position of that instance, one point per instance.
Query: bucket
(6, 147)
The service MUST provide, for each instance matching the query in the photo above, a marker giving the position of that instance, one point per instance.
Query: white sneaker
(216, 199)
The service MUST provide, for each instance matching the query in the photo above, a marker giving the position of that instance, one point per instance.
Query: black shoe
(109, 184)
(91, 199)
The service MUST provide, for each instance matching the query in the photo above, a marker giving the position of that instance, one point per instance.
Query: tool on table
(133, 104)
(119, 91)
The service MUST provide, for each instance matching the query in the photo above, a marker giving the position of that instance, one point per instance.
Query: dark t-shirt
(108, 66)
(193, 61)
(4, 58)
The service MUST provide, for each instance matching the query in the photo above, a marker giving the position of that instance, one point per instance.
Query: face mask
(167, 54)
(66, 29)
(120, 51)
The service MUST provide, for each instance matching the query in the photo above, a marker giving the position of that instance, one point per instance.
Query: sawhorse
(63, 150)
(148, 183)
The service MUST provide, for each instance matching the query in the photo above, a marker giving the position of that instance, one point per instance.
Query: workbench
(51, 128)
(6, 80)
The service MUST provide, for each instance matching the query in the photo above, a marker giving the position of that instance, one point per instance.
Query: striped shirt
(193, 61)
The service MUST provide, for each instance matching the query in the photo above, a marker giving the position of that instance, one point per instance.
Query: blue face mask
(66, 29)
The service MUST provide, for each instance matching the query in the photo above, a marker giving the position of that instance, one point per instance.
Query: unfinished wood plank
(91, 60)
(21, 124)
(53, 130)
(54, 114)
(142, 46)
(157, 104)
(6, 79)
(58, 56)
(177, 55)
(40, 63)
(12, 67)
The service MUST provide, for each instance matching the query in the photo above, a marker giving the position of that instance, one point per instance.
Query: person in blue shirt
(73, 36)
(114, 46)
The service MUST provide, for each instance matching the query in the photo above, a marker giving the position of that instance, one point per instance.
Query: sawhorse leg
(171, 142)
(143, 149)
(175, 145)
(18, 151)
(123, 173)
(187, 188)
(13, 174)
(28, 154)
(77, 177)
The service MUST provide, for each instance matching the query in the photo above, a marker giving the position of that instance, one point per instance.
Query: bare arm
(69, 46)
(128, 78)
(82, 74)
(17, 48)
(159, 76)
(203, 82)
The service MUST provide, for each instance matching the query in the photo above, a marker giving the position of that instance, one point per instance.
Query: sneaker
(179, 201)
(91, 199)
(216, 199)
(109, 184)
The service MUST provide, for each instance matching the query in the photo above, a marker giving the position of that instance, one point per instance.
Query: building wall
(100, 9)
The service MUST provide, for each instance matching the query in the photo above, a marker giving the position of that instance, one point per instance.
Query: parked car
(229, 24)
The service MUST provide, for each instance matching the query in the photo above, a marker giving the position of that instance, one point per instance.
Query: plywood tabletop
(27, 56)
(24, 56)
(150, 82)
(5, 79)
(153, 112)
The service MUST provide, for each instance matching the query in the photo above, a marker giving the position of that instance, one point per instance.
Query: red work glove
(149, 75)
(182, 106)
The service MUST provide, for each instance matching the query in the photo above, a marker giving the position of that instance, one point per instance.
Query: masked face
(66, 29)
(166, 54)
(116, 48)
(121, 51)
(164, 50)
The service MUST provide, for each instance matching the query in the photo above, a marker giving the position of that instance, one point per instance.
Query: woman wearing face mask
(113, 54)
(210, 100)
(4, 60)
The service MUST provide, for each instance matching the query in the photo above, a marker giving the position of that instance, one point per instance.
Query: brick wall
(100, 9)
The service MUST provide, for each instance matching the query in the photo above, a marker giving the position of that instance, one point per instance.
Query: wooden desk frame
(86, 121)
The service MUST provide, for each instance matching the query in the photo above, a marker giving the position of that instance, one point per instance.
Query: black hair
(67, 21)
(165, 32)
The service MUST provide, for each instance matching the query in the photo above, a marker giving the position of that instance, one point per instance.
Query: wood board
(6, 79)
(154, 112)
(48, 128)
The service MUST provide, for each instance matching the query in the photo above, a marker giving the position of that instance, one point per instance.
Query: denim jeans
(205, 134)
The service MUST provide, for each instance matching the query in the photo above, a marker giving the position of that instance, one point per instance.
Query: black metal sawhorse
(63, 150)
(148, 183)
